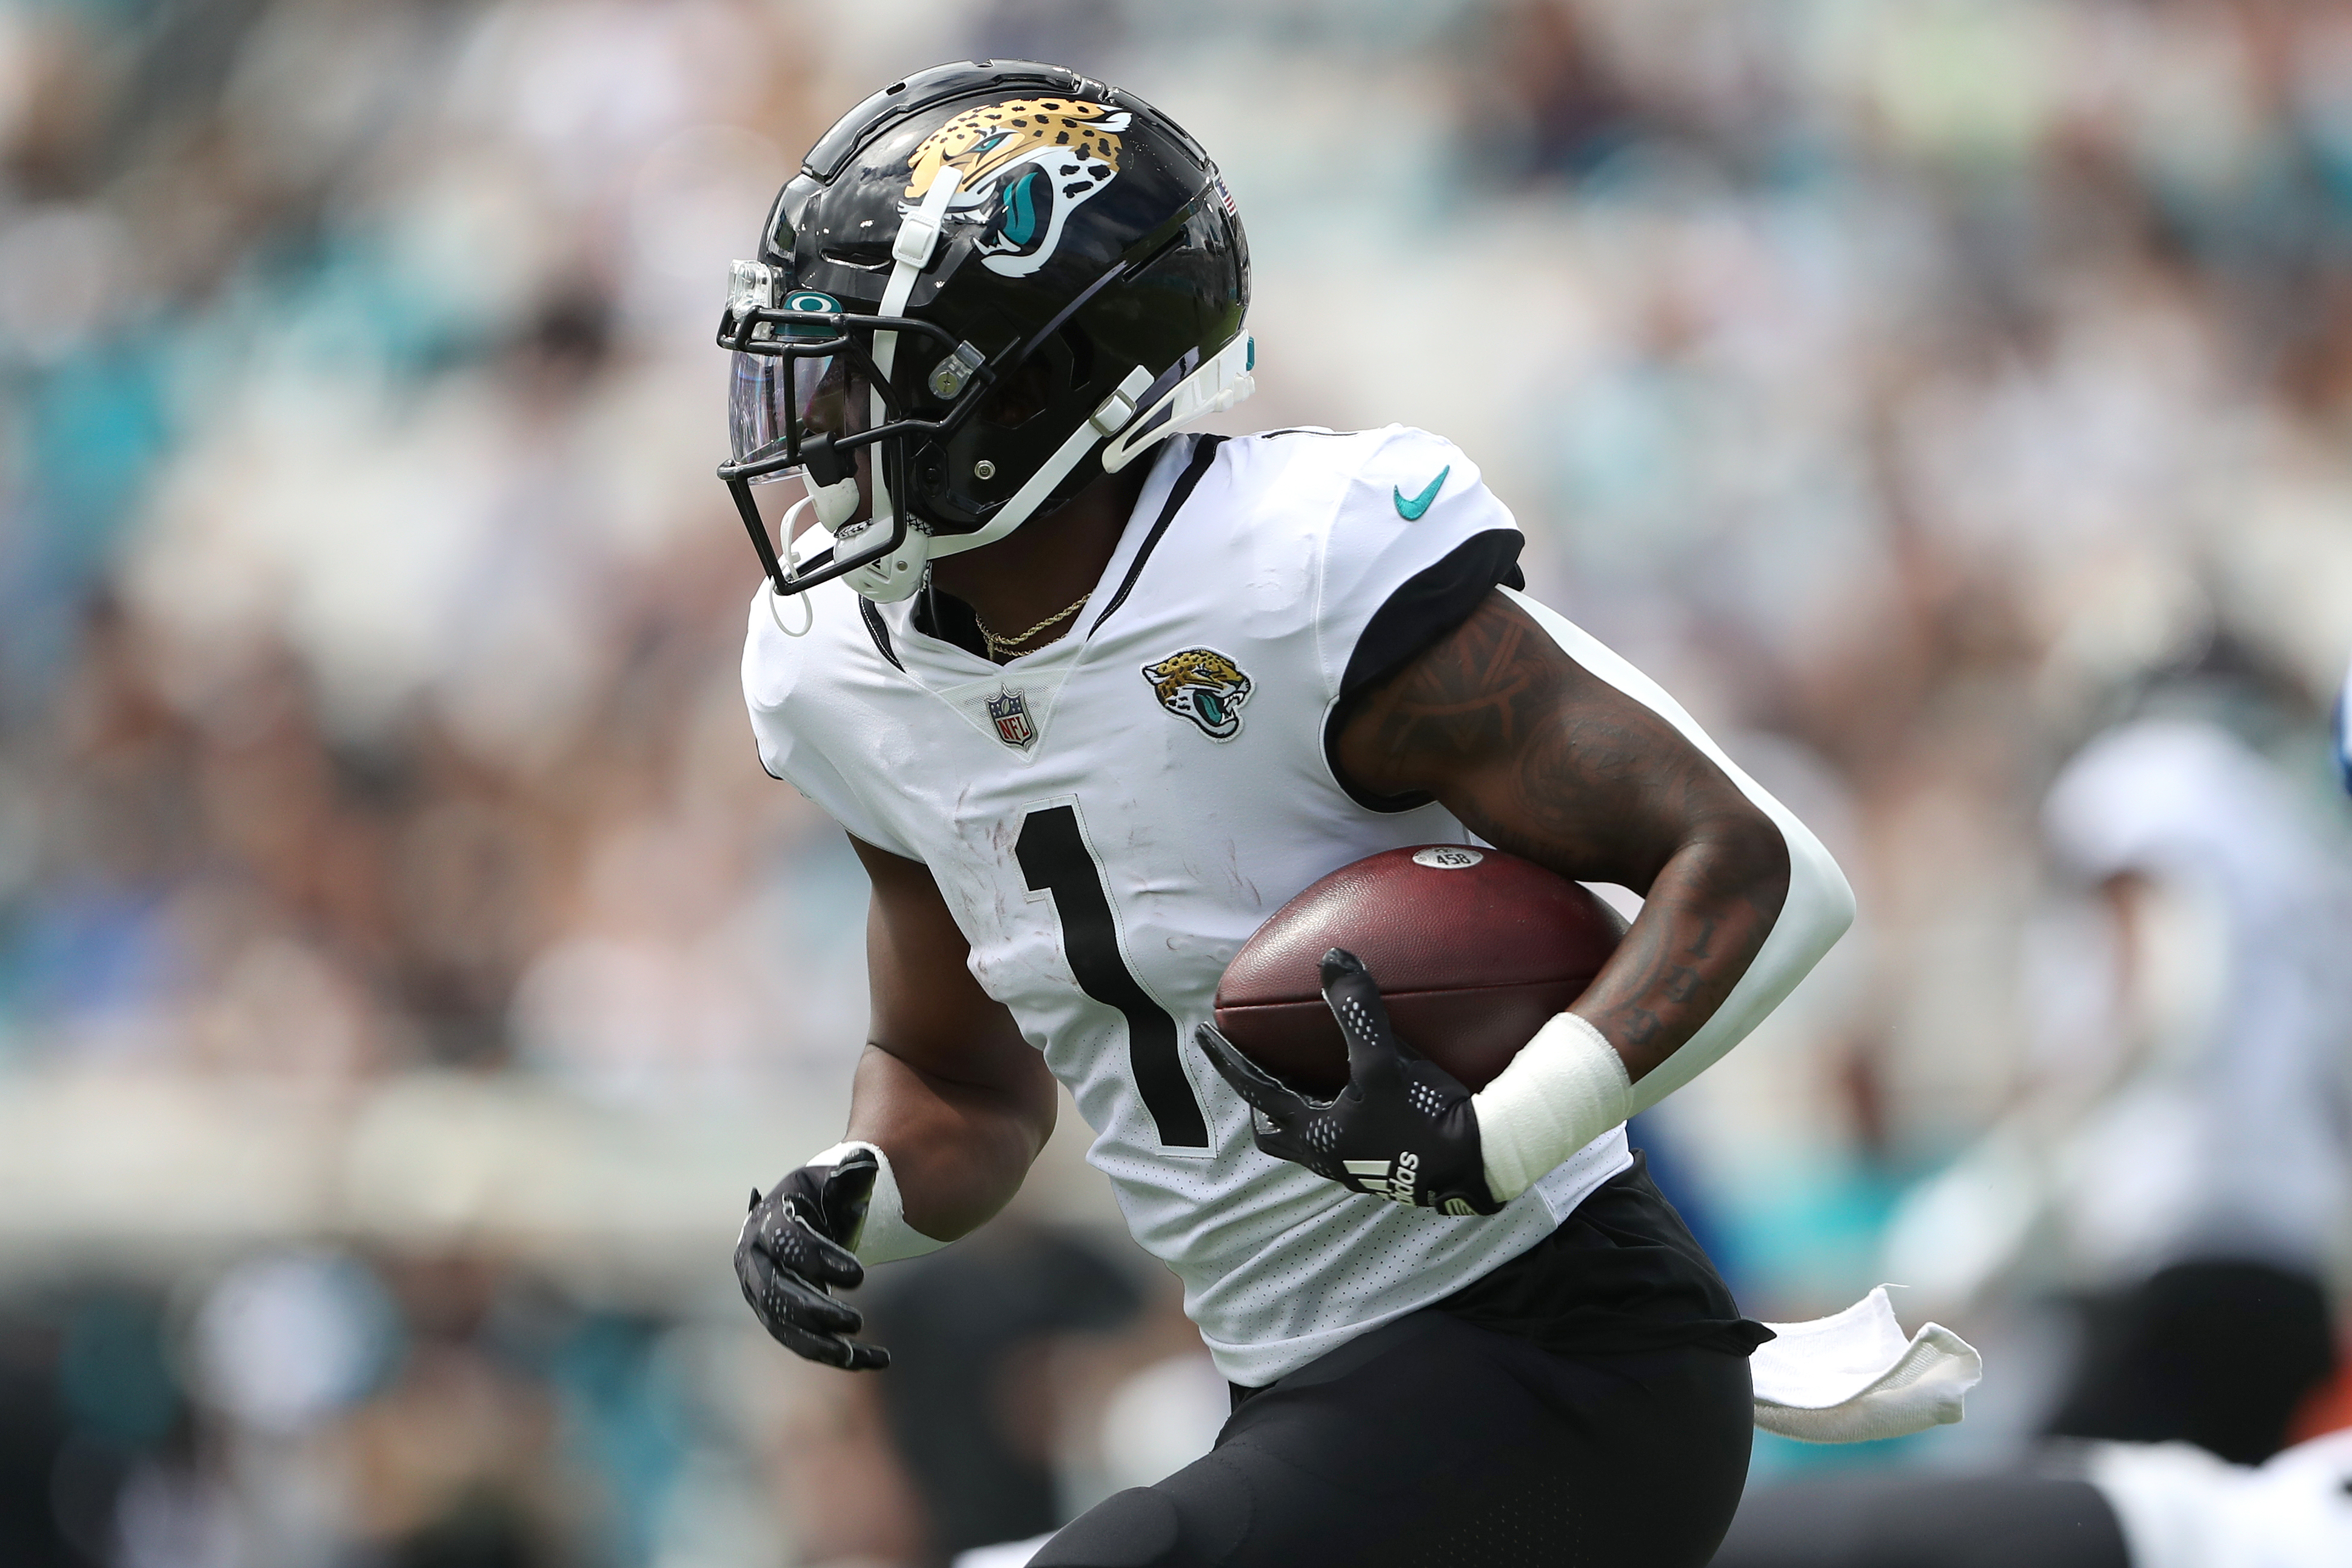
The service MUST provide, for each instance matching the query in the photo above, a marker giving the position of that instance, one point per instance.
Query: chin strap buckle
(1117, 410)
(918, 235)
(1112, 416)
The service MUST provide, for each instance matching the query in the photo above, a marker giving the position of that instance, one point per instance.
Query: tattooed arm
(1543, 758)
(1546, 744)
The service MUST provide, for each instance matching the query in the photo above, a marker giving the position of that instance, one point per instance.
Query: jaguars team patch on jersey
(1204, 686)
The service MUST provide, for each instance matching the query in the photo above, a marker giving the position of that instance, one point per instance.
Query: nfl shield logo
(1010, 712)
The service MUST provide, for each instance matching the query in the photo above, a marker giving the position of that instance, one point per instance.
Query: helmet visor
(772, 396)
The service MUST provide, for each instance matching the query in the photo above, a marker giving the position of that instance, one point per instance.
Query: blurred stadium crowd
(404, 965)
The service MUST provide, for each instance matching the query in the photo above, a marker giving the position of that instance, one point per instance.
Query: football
(1472, 950)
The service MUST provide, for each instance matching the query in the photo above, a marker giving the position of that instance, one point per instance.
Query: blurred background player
(2206, 1183)
(2184, 1155)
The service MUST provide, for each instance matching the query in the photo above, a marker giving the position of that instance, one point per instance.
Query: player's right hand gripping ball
(791, 1253)
(1403, 1129)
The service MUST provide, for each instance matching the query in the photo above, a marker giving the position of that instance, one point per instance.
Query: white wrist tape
(886, 1237)
(1564, 1089)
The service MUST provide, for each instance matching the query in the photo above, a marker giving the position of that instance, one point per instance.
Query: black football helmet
(989, 284)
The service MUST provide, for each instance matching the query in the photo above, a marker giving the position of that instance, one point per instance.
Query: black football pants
(1434, 1441)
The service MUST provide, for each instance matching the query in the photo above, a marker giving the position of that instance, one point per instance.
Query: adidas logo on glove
(1380, 1183)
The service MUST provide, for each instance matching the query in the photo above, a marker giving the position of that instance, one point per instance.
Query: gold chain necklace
(997, 644)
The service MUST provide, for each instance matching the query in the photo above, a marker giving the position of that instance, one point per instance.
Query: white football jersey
(1111, 817)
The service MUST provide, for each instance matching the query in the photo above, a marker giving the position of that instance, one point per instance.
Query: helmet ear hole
(1081, 350)
(1021, 396)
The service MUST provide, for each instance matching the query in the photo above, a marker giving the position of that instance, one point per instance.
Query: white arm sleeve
(1541, 1108)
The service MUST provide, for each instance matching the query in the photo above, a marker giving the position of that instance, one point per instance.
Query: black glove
(791, 1250)
(1403, 1129)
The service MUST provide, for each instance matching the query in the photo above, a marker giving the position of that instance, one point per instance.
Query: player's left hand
(790, 1257)
(1403, 1129)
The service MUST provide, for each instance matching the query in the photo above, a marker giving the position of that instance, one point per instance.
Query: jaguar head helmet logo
(1023, 167)
(1204, 686)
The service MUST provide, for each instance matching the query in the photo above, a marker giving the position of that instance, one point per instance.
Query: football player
(1093, 697)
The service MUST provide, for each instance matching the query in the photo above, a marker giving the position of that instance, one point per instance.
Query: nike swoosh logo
(1411, 511)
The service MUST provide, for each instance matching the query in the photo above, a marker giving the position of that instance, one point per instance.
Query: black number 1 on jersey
(1054, 859)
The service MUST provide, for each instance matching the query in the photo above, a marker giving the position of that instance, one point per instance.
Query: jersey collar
(1015, 703)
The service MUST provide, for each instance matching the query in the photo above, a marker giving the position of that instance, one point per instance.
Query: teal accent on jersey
(1411, 511)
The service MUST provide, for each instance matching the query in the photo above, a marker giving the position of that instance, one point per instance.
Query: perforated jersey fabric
(1111, 817)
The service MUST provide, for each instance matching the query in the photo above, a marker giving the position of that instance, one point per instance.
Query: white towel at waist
(1855, 1376)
